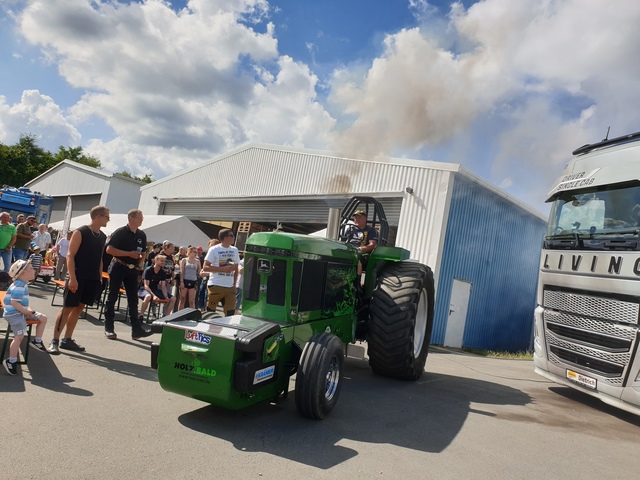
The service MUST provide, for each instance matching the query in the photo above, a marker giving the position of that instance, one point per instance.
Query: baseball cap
(199, 248)
(359, 212)
(18, 267)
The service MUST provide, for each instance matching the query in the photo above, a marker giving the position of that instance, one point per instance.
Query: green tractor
(303, 304)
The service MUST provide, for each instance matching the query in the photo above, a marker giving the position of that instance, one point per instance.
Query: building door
(460, 293)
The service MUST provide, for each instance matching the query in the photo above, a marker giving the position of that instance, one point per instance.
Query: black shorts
(158, 293)
(190, 284)
(87, 293)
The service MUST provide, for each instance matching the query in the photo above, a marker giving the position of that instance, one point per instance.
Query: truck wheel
(45, 279)
(400, 320)
(319, 376)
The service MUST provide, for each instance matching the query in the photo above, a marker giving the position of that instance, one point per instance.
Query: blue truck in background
(22, 200)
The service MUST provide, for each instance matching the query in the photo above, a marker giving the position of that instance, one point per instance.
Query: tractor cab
(375, 218)
(297, 279)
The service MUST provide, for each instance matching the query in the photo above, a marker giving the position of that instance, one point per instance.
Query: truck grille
(592, 306)
(591, 332)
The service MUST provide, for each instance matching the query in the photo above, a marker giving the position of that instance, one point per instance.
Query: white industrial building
(87, 187)
(482, 244)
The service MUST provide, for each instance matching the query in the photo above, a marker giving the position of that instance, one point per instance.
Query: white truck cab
(588, 303)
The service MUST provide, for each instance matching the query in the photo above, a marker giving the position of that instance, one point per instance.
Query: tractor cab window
(277, 283)
(295, 283)
(251, 283)
(312, 286)
(326, 286)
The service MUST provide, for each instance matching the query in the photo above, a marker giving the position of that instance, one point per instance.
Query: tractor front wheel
(319, 376)
(400, 320)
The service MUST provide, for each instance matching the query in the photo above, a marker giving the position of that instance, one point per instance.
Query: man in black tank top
(84, 263)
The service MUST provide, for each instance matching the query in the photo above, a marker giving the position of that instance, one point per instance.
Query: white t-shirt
(220, 256)
(63, 247)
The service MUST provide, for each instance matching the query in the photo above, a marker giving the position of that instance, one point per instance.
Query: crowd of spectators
(161, 275)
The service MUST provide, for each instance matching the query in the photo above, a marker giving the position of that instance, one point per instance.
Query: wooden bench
(60, 284)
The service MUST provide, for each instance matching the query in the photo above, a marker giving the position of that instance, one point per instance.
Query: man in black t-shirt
(157, 247)
(155, 280)
(128, 245)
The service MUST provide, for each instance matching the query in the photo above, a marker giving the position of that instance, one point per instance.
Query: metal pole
(333, 223)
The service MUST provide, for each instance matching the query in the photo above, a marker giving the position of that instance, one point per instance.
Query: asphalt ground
(101, 414)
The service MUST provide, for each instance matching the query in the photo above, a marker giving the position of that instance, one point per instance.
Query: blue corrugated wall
(495, 245)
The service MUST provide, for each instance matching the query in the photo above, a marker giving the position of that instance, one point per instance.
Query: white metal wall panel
(309, 210)
(119, 193)
(266, 174)
(82, 204)
(68, 179)
(122, 196)
(423, 219)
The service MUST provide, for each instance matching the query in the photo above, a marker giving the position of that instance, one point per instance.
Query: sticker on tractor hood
(197, 337)
(264, 374)
(264, 265)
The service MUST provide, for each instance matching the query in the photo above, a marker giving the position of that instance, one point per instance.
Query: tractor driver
(362, 236)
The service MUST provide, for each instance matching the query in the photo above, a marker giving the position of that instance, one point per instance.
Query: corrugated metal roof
(65, 179)
(263, 173)
(65, 165)
(79, 181)
(284, 172)
(278, 172)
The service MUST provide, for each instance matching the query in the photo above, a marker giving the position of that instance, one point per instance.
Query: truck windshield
(607, 211)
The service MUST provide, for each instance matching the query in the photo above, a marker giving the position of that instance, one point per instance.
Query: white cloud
(546, 76)
(506, 88)
(38, 115)
(191, 83)
(421, 9)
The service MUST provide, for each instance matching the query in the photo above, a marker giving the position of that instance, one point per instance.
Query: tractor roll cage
(379, 218)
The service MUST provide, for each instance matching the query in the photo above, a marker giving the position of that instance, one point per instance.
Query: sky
(508, 89)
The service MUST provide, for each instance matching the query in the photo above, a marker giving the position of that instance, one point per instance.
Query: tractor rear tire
(319, 376)
(401, 320)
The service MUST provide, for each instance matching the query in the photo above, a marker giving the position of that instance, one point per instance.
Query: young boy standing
(36, 260)
(17, 312)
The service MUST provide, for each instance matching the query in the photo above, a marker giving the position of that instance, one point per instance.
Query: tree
(146, 179)
(23, 161)
(75, 154)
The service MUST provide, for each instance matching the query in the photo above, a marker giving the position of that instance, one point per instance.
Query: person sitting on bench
(156, 281)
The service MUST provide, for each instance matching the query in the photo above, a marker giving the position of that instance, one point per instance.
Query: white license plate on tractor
(583, 380)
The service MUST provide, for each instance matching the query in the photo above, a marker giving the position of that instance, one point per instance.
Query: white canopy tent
(177, 229)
